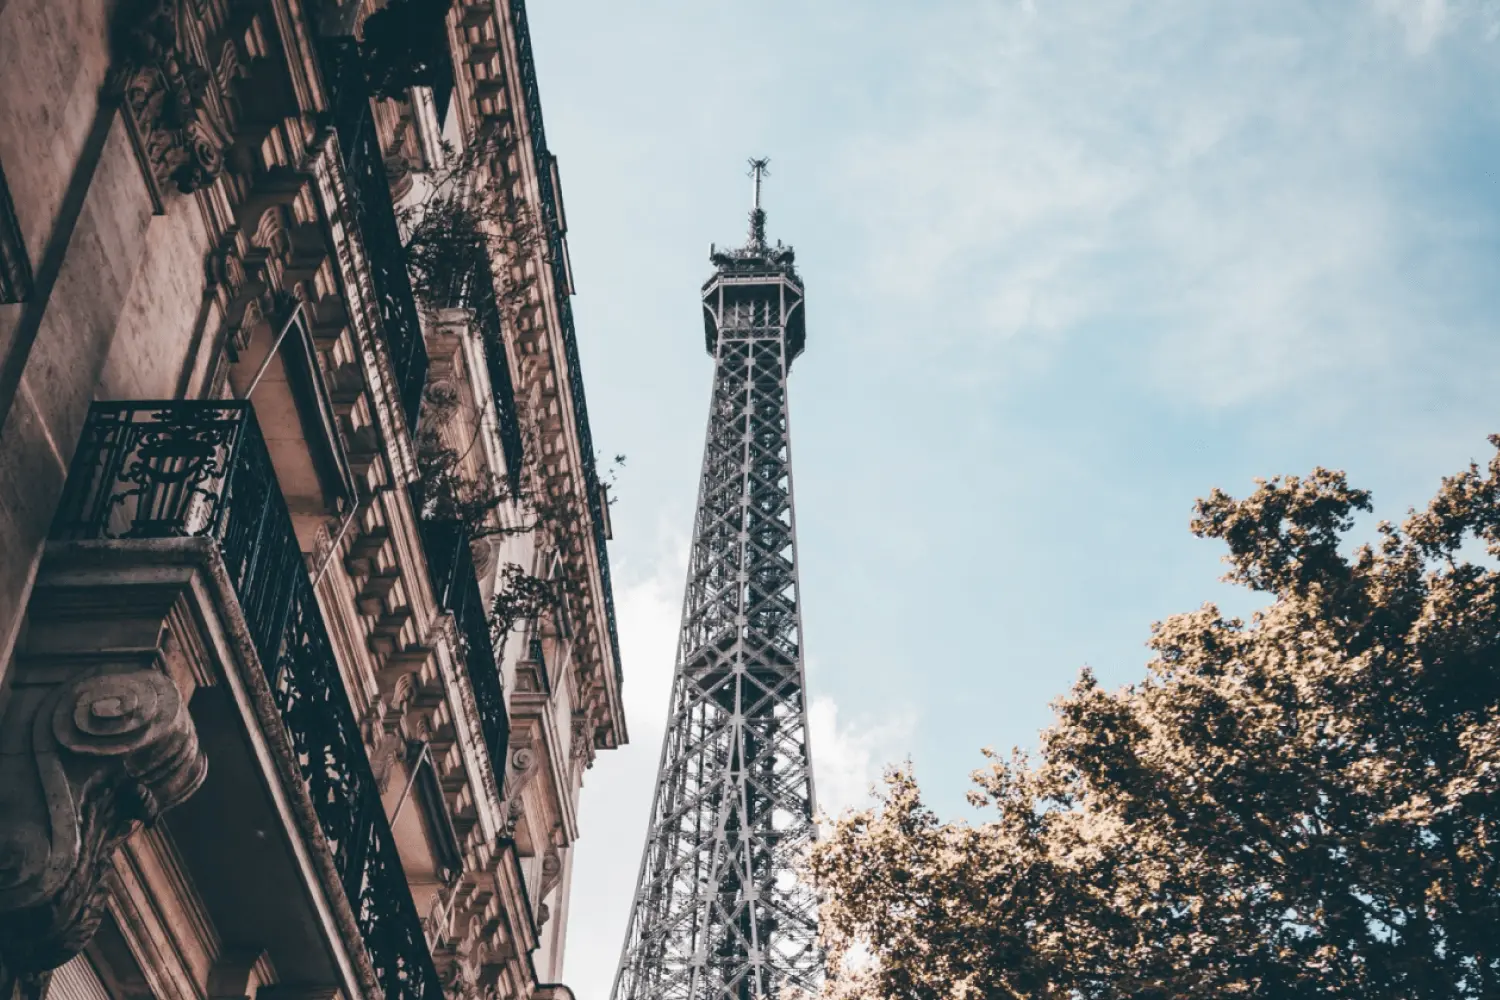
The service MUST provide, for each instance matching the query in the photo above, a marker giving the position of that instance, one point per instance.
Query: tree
(1306, 804)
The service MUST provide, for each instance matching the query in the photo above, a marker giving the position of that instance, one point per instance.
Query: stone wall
(118, 290)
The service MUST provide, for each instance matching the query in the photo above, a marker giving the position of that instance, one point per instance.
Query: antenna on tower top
(758, 168)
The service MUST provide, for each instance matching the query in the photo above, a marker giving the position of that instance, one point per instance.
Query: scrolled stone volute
(86, 757)
(165, 91)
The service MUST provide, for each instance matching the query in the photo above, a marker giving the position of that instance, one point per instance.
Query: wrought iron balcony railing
(502, 389)
(147, 470)
(375, 214)
(451, 565)
(557, 256)
(473, 288)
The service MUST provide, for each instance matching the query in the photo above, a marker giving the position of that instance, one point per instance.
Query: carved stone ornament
(524, 763)
(164, 93)
(225, 266)
(460, 978)
(85, 758)
(511, 812)
(582, 738)
(551, 876)
(384, 748)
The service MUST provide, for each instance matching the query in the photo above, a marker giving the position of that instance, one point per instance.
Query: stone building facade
(306, 630)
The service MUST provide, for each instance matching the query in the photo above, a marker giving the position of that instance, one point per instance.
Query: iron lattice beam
(718, 912)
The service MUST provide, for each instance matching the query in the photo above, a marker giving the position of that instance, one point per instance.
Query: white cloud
(616, 801)
(1425, 23)
(849, 756)
(1217, 186)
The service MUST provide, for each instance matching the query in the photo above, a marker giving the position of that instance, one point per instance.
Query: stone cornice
(491, 90)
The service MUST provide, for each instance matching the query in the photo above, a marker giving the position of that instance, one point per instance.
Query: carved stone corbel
(235, 273)
(239, 974)
(86, 757)
(164, 93)
(460, 976)
(582, 740)
(551, 876)
(524, 763)
(95, 740)
(383, 746)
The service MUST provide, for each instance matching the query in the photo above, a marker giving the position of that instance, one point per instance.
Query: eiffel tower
(718, 912)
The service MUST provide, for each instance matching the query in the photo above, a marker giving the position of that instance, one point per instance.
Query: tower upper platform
(757, 274)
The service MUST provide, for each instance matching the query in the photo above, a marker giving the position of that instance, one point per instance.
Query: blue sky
(1069, 266)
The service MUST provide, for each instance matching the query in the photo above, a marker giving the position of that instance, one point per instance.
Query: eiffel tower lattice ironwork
(718, 912)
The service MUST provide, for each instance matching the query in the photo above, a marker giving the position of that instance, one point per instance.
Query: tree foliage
(1303, 805)
(442, 491)
(465, 219)
(522, 597)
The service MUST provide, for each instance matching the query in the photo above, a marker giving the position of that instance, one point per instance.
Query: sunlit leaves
(1302, 805)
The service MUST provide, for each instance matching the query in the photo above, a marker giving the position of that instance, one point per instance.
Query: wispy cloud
(1217, 191)
(616, 799)
(1422, 20)
(849, 755)
(1247, 210)
(1425, 22)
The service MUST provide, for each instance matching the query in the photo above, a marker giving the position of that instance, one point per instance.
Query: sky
(1070, 264)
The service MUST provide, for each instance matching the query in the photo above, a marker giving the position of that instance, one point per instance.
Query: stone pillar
(95, 740)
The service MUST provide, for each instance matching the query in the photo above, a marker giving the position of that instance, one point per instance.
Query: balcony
(502, 389)
(375, 214)
(200, 470)
(451, 565)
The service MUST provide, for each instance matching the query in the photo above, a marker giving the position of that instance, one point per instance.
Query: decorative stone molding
(461, 976)
(235, 273)
(224, 267)
(551, 876)
(163, 92)
(95, 741)
(524, 764)
(383, 745)
(551, 869)
(582, 739)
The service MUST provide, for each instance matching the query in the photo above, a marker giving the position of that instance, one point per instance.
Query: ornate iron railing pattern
(375, 214)
(502, 388)
(450, 564)
(561, 285)
(201, 469)
(474, 289)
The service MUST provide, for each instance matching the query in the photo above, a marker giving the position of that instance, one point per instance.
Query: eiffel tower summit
(718, 911)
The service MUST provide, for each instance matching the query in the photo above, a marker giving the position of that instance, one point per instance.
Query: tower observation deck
(718, 912)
